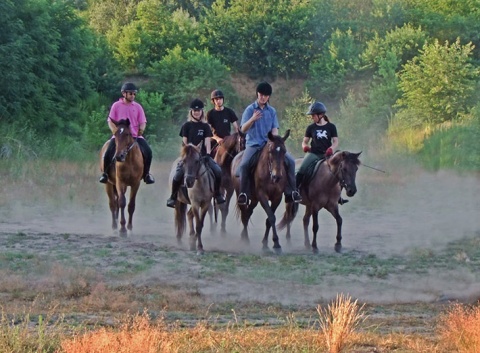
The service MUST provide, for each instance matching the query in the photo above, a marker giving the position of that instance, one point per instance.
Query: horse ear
(270, 135)
(285, 137)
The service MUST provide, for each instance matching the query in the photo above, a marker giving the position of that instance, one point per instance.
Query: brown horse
(323, 191)
(226, 151)
(269, 180)
(125, 171)
(199, 181)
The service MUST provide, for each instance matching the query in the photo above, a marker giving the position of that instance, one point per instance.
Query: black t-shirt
(321, 136)
(221, 120)
(196, 132)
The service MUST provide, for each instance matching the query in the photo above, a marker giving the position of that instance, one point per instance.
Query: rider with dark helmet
(127, 108)
(319, 141)
(220, 118)
(258, 119)
(194, 131)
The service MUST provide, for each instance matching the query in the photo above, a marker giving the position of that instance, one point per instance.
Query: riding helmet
(264, 88)
(196, 104)
(129, 87)
(216, 94)
(317, 108)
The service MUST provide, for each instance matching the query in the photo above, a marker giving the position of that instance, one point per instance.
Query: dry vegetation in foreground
(341, 327)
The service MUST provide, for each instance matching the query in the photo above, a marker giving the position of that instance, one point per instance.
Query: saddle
(311, 170)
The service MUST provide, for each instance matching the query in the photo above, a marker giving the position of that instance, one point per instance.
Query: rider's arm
(306, 142)
(236, 127)
(141, 128)
(185, 140)
(208, 145)
(112, 126)
(334, 143)
(274, 131)
(257, 114)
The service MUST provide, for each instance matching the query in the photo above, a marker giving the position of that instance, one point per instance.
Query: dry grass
(339, 321)
(459, 329)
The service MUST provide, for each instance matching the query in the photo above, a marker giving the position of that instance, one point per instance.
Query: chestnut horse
(269, 180)
(226, 151)
(199, 181)
(323, 191)
(125, 171)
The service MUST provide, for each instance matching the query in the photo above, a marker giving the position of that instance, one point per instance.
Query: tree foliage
(438, 85)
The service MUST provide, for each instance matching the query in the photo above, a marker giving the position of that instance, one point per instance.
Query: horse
(269, 180)
(323, 191)
(226, 151)
(126, 170)
(199, 182)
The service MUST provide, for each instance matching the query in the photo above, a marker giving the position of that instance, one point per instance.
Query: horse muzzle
(189, 181)
(351, 190)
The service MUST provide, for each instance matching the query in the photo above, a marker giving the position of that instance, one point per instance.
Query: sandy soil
(390, 215)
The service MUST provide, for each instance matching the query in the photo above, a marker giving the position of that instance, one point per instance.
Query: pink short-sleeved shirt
(133, 111)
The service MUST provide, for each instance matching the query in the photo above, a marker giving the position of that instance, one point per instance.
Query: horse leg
(113, 204)
(315, 230)
(193, 213)
(190, 217)
(198, 230)
(306, 221)
(338, 218)
(245, 213)
(224, 210)
(131, 205)
(270, 223)
(122, 202)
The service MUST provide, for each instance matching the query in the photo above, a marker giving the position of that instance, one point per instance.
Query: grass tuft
(339, 321)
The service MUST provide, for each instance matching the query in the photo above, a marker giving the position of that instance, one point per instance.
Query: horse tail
(291, 210)
(180, 217)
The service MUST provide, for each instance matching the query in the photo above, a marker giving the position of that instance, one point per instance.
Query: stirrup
(171, 203)
(296, 197)
(149, 179)
(242, 199)
(104, 178)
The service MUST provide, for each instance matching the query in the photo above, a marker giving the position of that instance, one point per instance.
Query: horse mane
(188, 150)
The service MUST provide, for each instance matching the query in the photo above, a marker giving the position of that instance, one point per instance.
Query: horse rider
(258, 119)
(194, 131)
(220, 118)
(127, 108)
(319, 141)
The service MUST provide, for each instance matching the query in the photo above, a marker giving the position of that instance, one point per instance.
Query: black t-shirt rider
(196, 132)
(321, 136)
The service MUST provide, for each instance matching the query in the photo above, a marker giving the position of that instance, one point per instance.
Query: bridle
(338, 174)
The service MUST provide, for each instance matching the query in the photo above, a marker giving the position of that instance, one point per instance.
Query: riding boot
(244, 187)
(148, 178)
(298, 180)
(107, 161)
(218, 195)
(342, 201)
(173, 197)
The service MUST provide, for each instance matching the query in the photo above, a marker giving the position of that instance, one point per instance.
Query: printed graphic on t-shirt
(321, 134)
(200, 133)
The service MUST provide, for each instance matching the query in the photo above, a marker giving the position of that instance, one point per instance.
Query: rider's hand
(306, 149)
(328, 152)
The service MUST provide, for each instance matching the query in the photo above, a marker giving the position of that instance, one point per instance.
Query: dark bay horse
(323, 191)
(226, 151)
(125, 171)
(269, 180)
(199, 181)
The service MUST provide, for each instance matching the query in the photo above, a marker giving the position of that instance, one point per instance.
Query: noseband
(124, 153)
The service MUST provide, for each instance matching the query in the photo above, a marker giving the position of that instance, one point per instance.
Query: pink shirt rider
(133, 111)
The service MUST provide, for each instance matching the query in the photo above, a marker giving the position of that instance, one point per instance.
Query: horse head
(344, 166)
(276, 156)
(192, 161)
(240, 142)
(124, 140)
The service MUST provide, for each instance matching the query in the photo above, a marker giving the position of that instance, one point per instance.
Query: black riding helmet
(216, 94)
(129, 87)
(264, 88)
(197, 104)
(317, 108)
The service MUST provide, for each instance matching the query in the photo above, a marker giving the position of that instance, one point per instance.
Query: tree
(438, 85)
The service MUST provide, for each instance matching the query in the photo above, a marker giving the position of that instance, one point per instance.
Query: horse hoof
(338, 247)
(315, 251)
(200, 252)
(123, 233)
(278, 251)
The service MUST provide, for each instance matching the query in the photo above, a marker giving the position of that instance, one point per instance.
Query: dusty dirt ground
(392, 214)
